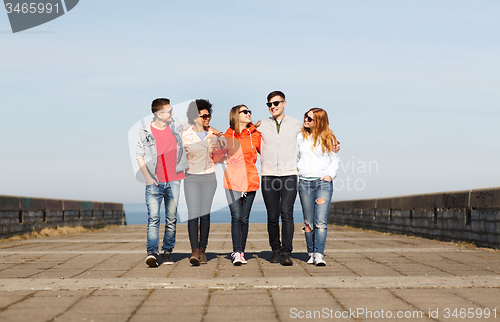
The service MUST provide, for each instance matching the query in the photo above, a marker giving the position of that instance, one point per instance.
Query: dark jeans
(199, 190)
(240, 207)
(279, 196)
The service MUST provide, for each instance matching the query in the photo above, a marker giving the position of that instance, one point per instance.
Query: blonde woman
(317, 166)
(241, 179)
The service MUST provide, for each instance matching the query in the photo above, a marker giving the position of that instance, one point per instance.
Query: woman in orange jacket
(241, 179)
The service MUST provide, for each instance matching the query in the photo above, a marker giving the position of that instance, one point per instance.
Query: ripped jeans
(315, 196)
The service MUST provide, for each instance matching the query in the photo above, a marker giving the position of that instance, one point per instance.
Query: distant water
(138, 213)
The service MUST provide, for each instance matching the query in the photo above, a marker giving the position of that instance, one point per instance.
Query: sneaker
(311, 258)
(318, 259)
(242, 257)
(286, 260)
(167, 259)
(152, 260)
(275, 258)
(236, 259)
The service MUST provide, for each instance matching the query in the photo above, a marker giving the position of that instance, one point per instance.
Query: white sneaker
(236, 259)
(242, 257)
(318, 259)
(311, 258)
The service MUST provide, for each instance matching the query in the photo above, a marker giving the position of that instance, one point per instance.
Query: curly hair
(195, 107)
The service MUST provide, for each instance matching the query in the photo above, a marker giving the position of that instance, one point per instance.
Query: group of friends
(295, 156)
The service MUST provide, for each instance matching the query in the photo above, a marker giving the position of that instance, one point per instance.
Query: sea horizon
(136, 213)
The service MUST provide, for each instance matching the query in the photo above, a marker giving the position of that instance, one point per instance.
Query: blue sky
(411, 86)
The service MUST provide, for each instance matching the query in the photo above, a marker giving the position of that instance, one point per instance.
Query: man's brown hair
(275, 93)
(158, 104)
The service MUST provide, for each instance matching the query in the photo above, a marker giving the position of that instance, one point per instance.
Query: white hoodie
(313, 162)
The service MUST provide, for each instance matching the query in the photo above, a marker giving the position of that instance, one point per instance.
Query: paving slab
(369, 276)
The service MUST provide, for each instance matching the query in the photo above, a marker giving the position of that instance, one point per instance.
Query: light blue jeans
(169, 193)
(315, 197)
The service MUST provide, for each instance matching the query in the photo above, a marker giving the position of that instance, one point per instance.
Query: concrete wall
(19, 215)
(472, 216)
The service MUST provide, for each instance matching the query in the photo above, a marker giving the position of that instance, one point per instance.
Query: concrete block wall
(19, 215)
(472, 215)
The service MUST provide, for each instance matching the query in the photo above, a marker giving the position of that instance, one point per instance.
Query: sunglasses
(246, 112)
(307, 118)
(205, 116)
(275, 103)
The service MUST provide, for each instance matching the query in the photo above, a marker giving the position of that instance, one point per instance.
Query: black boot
(275, 258)
(286, 260)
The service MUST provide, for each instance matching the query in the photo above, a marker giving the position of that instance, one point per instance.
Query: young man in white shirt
(279, 175)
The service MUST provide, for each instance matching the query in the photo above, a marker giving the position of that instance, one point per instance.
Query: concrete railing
(19, 215)
(472, 216)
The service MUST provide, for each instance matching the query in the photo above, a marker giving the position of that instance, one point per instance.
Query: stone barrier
(19, 215)
(471, 216)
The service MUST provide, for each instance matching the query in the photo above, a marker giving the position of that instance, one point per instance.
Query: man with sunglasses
(162, 160)
(279, 175)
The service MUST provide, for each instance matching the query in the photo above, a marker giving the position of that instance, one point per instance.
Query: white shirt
(313, 162)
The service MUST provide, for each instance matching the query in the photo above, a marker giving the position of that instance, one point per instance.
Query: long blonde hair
(320, 132)
(234, 118)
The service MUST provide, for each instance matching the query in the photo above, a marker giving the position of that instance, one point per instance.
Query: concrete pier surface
(369, 276)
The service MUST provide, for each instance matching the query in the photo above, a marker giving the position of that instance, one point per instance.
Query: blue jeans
(240, 213)
(315, 211)
(169, 192)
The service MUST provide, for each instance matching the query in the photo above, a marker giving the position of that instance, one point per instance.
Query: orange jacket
(241, 173)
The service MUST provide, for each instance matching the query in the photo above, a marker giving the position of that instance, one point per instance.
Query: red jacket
(241, 173)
